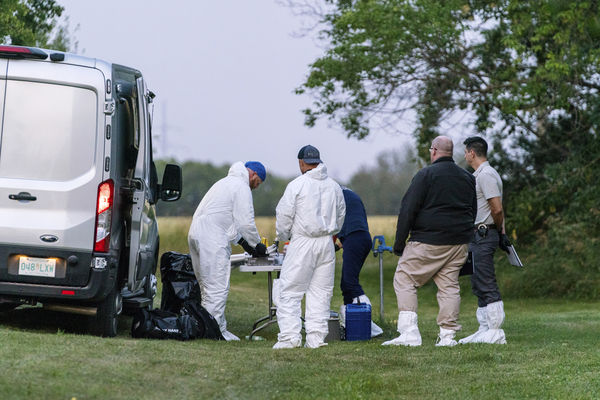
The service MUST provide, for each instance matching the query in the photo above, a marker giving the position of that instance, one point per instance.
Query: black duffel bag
(206, 322)
(160, 324)
(178, 281)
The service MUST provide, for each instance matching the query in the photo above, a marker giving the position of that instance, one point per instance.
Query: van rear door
(51, 154)
(144, 230)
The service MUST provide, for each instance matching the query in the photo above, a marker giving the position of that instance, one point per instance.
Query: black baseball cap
(309, 154)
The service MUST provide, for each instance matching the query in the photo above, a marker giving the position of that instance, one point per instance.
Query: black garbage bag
(159, 324)
(178, 281)
(207, 323)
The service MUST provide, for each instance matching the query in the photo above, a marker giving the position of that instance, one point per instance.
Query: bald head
(441, 146)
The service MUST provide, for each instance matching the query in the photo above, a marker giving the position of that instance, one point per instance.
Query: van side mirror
(170, 189)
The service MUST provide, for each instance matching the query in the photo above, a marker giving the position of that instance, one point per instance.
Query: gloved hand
(504, 242)
(260, 250)
(246, 246)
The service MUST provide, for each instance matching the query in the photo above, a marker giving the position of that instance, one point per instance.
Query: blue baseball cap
(258, 168)
(309, 154)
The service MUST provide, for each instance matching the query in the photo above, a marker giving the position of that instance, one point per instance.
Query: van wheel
(107, 316)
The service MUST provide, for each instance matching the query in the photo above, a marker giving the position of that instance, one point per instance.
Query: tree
(33, 23)
(528, 71)
(381, 187)
(522, 67)
(529, 74)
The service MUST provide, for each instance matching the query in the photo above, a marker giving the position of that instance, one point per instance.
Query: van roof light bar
(22, 52)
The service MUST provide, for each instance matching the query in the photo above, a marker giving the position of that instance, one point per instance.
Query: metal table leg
(271, 318)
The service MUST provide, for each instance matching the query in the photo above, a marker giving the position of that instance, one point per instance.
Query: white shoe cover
(492, 336)
(229, 336)
(286, 345)
(315, 340)
(408, 329)
(495, 318)
(483, 327)
(375, 330)
(446, 338)
(402, 340)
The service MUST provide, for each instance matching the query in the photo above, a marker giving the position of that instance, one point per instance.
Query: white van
(78, 185)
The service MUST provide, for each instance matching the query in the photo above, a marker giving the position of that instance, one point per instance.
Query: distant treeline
(381, 186)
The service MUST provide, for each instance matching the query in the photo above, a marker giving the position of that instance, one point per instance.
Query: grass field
(551, 352)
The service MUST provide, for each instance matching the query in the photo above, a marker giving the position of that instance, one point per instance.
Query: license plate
(37, 266)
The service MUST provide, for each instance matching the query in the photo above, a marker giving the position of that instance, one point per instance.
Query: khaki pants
(421, 262)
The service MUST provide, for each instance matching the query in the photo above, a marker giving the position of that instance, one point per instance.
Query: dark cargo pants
(483, 280)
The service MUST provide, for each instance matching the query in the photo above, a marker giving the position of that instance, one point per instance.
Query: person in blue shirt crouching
(355, 239)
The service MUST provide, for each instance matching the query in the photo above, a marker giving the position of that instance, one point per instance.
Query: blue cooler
(358, 321)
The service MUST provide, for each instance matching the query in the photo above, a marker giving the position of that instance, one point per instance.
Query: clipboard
(513, 257)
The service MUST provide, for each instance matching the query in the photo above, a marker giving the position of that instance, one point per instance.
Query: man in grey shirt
(489, 234)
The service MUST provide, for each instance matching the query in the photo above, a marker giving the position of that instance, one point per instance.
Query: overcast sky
(224, 73)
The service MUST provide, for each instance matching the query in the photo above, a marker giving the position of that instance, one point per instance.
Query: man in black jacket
(437, 216)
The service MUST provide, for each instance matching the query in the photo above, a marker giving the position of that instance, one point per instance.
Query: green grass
(551, 353)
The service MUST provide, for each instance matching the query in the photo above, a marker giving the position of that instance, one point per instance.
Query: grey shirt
(488, 185)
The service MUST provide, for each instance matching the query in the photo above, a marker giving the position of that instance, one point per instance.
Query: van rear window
(49, 131)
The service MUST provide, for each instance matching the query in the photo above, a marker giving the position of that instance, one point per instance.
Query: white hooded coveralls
(224, 215)
(311, 210)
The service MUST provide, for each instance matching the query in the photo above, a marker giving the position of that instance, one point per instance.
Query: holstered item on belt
(482, 229)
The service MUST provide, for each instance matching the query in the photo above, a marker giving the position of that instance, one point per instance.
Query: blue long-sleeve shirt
(356, 216)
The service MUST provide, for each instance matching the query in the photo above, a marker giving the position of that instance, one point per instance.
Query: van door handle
(23, 196)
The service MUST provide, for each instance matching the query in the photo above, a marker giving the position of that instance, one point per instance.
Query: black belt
(489, 226)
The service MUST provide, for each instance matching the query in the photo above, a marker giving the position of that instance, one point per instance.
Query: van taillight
(104, 215)
(22, 52)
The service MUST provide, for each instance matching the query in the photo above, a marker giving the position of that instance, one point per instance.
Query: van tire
(107, 314)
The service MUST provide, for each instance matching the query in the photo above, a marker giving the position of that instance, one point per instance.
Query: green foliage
(556, 222)
(197, 178)
(527, 70)
(382, 186)
(511, 61)
(529, 73)
(562, 262)
(33, 23)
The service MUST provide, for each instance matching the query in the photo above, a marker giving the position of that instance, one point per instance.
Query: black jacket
(439, 207)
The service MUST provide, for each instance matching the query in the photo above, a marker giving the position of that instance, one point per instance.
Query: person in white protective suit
(310, 212)
(225, 215)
